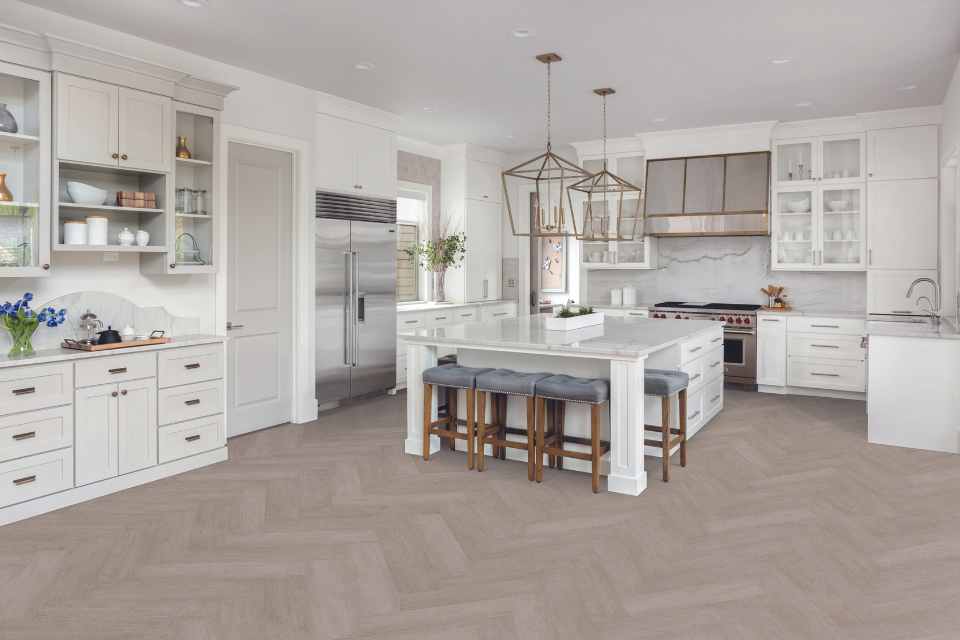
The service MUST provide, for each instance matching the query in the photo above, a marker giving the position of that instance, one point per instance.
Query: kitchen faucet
(934, 307)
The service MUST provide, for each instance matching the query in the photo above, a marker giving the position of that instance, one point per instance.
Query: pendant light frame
(546, 170)
(602, 184)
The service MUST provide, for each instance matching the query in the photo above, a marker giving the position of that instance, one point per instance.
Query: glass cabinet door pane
(842, 244)
(19, 235)
(630, 168)
(793, 228)
(665, 186)
(794, 161)
(631, 252)
(841, 159)
(704, 185)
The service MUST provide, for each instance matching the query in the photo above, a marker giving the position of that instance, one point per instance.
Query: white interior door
(259, 288)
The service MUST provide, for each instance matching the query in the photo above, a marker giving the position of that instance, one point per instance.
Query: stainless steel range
(739, 333)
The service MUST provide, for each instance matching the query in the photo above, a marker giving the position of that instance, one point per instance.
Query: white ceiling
(693, 62)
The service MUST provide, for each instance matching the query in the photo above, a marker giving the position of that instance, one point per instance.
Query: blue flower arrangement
(22, 321)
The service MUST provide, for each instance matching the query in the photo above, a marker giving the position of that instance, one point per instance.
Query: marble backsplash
(112, 310)
(729, 269)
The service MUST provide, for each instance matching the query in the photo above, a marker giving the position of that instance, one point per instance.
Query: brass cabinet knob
(45, 267)
(115, 155)
(123, 157)
(123, 392)
(114, 394)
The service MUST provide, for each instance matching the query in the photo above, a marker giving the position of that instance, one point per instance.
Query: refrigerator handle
(348, 309)
(356, 306)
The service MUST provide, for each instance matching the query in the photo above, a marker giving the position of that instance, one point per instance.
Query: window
(413, 226)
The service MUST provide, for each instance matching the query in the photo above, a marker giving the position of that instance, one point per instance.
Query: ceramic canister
(629, 297)
(74, 232)
(126, 237)
(616, 297)
(97, 228)
(143, 238)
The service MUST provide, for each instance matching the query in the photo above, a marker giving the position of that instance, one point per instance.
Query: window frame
(423, 193)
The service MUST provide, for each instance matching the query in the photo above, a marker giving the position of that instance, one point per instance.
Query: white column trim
(627, 474)
(419, 358)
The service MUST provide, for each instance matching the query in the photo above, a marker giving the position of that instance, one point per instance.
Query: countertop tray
(77, 346)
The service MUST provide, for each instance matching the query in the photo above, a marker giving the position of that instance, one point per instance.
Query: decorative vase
(182, 150)
(22, 338)
(439, 295)
(8, 124)
(143, 238)
(126, 237)
(5, 195)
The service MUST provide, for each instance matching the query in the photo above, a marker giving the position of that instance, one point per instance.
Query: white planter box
(576, 322)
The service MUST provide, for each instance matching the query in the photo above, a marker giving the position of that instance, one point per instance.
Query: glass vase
(22, 338)
(439, 295)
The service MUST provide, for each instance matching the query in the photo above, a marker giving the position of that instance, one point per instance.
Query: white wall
(260, 103)
(949, 144)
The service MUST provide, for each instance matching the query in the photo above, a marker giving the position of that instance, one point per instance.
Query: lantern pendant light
(551, 176)
(604, 190)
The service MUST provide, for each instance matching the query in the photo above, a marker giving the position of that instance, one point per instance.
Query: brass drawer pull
(440, 318)
(497, 315)
(770, 319)
(825, 326)
(192, 365)
(692, 378)
(192, 402)
(410, 321)
(715, 398)
(192, 438)
(25, 436)
(24, 391)
(26, 480)
(714, 364)
(694, 415)
(717, 339)
(695, 349)
(117, 370)
(825, 375)
(826, 346)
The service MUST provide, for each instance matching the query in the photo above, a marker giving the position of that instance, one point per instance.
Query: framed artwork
(551, 255)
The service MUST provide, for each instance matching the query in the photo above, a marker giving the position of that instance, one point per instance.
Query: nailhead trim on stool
(501, 383)
(664, 383)
(450, 376)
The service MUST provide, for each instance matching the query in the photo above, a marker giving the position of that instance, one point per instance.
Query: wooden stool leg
(481, 402)
(502, 430)
(561, 421)
(595, 445)
(541, 418)
(551, 428)
(427, 418)
(495, 422)
(683, 427)
(665, 450)
(531, 435)
(452, 427)
(471, 429)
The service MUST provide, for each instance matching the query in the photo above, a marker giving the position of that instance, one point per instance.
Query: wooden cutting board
(77, 346)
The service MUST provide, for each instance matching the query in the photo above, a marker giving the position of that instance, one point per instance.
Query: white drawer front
(694, 369)
(177, 404)
(772, 323)
(700, 345)
(467, 314)
(35, 476)
(636, 313)
(35, 387)
(190, 364)
(440, 318)
(130, 366)
(498, 311)
(713, 364)
(407, 321)
(26, 434)
(838, 375)
(695, 412)
(713, 397)
(826, 347)
(849, 326)
(189, 438)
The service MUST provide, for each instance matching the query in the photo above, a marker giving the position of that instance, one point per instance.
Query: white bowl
(799, 206)
(82, 193)
(839, 205)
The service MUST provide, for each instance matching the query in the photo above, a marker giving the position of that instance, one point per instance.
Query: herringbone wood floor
(786, 524)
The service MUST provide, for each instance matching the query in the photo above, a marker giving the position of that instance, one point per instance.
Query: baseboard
(76, 495)
(813, 393)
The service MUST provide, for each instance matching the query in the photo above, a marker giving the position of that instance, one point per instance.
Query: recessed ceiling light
(194, 4)
(523, 33)
(805, 103)
(906, 87)
(781, 60)
(660, 119)
(364, 66)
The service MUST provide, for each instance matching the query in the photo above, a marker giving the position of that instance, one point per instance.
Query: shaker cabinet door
(145, 130)
(137, 420)
(376, 162)
(335, 163)
(96, 433)
(87, 113)
(482, 260)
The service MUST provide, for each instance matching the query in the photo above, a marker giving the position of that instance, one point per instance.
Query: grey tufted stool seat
(562, 389)
(499, 384)
(451, 377)
(664, 383)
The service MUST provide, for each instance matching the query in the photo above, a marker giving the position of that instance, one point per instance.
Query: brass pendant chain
(548, 106)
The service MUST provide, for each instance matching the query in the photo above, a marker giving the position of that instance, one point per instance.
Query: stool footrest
(657, 429)
(659, 443)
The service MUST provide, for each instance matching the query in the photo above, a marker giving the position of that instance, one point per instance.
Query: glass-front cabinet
(794, 229)
(24, 171)
(842, 227)
(837, 158)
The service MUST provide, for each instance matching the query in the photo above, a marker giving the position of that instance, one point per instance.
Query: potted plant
(570, 317)
(22, 321)
(436, 256)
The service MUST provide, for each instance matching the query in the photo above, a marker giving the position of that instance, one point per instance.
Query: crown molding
(732, 138)
(331, 105)
(587, 148)
(25, 48)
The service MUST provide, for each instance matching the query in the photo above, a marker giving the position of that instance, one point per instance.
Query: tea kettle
(109, 336)
(89, 324)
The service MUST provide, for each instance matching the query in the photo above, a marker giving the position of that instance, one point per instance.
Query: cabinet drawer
(694, 369)
(848, 326)
(406, 321)
(26, 434)
(35, 387)
(713, 397)
(713, 364)
(35, 476)
(189, 438)
(190, 364)
(468, 314)
(826, 347)
(838, 375)
(177, 404)
(636, 313)
(499, 311)
(767, 323)
(440, 318)
(695, 409)
(700, 345)
(130, 366)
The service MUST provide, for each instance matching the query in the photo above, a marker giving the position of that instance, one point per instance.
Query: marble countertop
(946, 330)
(615, 339)
(405, 307)
(44, 356)
(817, 313)
(623, 307)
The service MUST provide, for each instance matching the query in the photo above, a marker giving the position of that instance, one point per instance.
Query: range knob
(738, 320)
(676, 317)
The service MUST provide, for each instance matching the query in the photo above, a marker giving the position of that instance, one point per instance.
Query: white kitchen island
(618, 350)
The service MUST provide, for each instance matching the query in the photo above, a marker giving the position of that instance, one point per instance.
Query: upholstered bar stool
(562, 389)
(664, 383)
(499, 384)
(450, 377)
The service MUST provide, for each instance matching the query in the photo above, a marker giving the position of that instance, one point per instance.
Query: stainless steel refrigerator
(356, 249)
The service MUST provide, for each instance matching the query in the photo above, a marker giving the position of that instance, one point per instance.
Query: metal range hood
(718, 195)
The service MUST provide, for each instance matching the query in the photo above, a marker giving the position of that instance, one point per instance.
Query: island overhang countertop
(615, 339)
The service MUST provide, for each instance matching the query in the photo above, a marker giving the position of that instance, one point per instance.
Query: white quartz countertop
(817, 313)
(615, 339)
(946, 330)
(43, 356)
(404, 307)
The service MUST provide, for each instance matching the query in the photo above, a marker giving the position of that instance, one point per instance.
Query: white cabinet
(101, 123)
(903, 224)
(137, 425)
(355, 158)
(771, 350)
(826, 353)
(483, 181)
(903, 153)
(822, 159)
(96, 447)
(481, 264)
